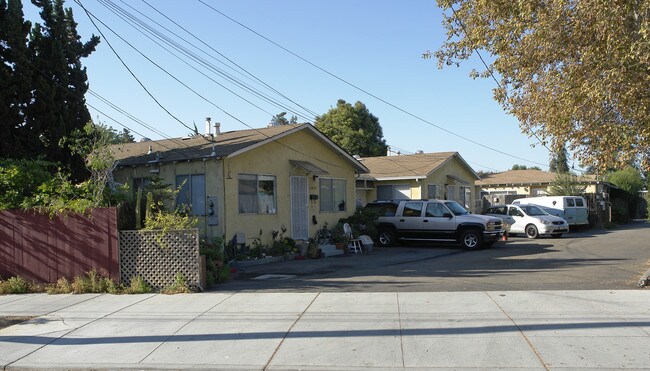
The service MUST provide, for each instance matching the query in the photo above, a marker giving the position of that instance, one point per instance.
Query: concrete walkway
(539, 330)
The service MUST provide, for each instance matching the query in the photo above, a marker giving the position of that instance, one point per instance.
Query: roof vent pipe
(217, 129)
(208, 127)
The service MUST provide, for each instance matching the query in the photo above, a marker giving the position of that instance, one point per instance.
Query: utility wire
(365, 91)
(92, 16)
(142, 25)
(231, 61)
(129, 69)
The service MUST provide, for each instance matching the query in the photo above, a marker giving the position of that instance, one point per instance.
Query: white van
(572, 208)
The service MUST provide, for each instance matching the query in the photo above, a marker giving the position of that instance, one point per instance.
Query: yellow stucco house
(240, 182)
(441, 175)
(503, 187)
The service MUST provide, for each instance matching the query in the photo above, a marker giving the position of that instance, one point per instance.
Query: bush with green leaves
(363, 221)
(15, 285)
(179, 286)
(216, 266)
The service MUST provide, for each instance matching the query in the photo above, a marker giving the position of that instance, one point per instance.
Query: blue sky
(375, 45)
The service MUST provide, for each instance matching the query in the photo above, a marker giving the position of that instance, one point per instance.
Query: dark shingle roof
(407, 166)
(198, 147)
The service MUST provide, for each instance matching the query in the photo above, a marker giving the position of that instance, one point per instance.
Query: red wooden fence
(41, 249)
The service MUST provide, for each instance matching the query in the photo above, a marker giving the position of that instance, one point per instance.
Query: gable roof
(228, 144)
(417, 166)
(524, 177)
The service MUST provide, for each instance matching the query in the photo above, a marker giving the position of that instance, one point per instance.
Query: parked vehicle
(574, 208)
(434, 220)
(530, 220)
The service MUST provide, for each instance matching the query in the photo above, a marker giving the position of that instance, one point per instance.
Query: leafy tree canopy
(629, 179)
(280, 119)
(574, 72)
(42, 83)
(524, 167)
(354, 129)
(566, 184)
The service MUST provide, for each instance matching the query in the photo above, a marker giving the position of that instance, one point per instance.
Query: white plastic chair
(354, 244)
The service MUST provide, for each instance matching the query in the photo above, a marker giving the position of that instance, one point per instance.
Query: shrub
(14, 285)
(179, 286)
(138, 286)
(363, 221)
(217, 269)
(62, 286)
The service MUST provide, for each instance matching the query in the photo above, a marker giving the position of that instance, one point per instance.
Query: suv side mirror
(447, 215)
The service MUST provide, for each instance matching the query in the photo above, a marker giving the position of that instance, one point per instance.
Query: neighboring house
(443, 175)
(240, 182)
(499, 186)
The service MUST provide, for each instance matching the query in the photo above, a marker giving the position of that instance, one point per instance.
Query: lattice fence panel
(158, 256)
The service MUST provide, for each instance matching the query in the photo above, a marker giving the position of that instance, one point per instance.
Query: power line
(127, 67)
(229, 60)
(90, 15)
(140, 25)
(365, 91)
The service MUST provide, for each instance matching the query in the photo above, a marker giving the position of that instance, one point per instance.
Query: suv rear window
(383, 208)
(412, 209)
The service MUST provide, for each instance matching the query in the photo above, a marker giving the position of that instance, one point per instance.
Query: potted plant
(338, 237)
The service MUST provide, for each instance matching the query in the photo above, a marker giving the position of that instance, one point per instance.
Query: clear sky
(375, 45)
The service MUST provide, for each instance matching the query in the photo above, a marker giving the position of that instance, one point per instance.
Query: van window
(579, 202)
(569, 202)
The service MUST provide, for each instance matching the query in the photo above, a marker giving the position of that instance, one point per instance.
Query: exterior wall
(211, 168)
(273, 159)
(440, 177)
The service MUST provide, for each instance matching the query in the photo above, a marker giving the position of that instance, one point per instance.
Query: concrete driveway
(590, 259)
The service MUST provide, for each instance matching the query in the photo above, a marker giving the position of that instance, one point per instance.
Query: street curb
(645, 279)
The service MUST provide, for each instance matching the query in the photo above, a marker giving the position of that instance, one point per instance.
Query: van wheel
(531, 231)
(471, 239)
(386, 237)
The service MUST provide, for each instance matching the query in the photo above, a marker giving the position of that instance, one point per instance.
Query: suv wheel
(471, 239)
(531, 231)
(386, 237)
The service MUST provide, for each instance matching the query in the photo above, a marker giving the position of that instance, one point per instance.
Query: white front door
(299, 208)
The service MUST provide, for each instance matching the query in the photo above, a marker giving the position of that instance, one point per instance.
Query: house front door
(299, 208)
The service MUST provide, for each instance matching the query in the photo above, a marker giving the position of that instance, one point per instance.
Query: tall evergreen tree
(559, 162)
(354, 129)
(58, 107)
(15, 79)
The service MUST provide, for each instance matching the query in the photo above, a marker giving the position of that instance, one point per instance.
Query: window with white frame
(192, 193)
(257, 194)
(393, 192)
(332, 195)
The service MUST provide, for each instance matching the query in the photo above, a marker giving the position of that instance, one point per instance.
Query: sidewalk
(536, 330)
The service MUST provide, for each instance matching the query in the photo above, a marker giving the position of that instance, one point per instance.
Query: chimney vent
(207, 126)
(217, 128)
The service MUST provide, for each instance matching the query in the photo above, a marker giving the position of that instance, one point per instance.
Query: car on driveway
(530, 220)
(434, 220)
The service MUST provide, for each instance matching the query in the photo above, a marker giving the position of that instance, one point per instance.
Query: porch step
(330, 250)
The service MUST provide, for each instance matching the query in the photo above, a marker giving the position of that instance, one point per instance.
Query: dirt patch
(10, 321)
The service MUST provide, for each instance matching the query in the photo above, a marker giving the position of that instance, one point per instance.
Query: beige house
(526, 182)
(240, 182)
(442, 175)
